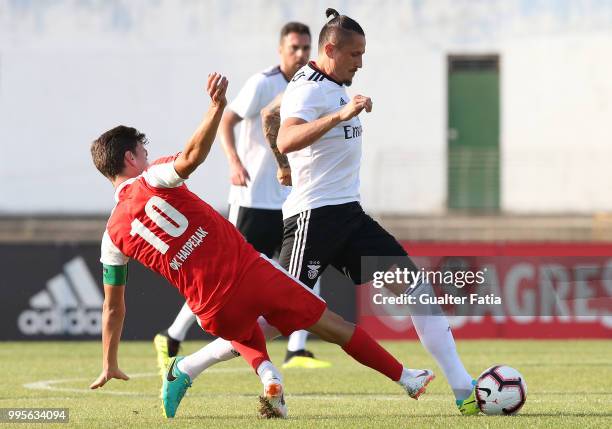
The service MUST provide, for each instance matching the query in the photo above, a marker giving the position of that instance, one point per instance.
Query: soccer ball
(501, 390)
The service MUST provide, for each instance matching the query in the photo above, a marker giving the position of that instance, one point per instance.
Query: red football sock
(368, 352)
(254, 349)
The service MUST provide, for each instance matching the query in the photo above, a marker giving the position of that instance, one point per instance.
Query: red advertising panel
(555, 291)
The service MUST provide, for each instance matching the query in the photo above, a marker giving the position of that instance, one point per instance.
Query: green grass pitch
(569, 385)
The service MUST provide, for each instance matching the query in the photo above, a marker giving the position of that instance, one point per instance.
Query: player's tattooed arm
(199, 144)
(270, 118)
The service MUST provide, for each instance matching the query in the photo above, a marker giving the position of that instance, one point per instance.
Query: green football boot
(469, 405)
(166, 348)
(175, 385)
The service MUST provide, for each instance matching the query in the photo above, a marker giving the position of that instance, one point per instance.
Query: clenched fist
(354, 108)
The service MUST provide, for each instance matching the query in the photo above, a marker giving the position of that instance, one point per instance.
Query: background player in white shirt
(256, 196)
(324, 222)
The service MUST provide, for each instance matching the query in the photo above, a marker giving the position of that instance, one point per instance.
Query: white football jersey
(263, 190)
(326, 172)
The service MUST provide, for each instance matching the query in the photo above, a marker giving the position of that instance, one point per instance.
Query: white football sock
(268, 372)
(217, 351)
(179, 328)
(297, 340)
(435, 334)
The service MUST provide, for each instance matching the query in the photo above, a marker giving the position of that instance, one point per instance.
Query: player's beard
(294, 70)
(349, 82)
(298, 65)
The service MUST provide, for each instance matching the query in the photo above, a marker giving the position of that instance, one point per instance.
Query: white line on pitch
(51, 384)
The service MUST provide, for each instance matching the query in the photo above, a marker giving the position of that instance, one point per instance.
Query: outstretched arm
(198, 146)
(270, 119)
(113, 313)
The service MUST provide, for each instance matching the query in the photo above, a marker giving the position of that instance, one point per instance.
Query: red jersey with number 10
(169, 229)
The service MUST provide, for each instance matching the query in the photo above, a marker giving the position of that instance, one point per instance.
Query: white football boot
(272, 403)
(415, 386)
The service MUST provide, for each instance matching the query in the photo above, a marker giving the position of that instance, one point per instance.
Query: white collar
(123, 185)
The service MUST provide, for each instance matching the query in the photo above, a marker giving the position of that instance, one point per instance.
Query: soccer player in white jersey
(256, 196)
(324, 222)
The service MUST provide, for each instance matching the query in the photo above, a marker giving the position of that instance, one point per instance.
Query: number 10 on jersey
(169, 219)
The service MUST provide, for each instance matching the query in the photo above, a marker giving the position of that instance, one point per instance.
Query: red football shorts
(265, 289)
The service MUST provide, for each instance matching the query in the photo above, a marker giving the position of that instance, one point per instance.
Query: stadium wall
(72, 69)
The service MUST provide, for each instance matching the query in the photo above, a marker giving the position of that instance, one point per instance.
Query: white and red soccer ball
(501, 390)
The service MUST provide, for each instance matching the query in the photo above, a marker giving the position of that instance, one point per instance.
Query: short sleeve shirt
(326, 172)
(169, 229)
(263, 190)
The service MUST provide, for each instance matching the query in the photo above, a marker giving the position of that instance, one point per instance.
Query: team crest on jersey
(342, 102)
(313, 271)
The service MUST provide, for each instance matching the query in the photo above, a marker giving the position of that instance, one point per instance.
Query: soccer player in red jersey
(227, 284)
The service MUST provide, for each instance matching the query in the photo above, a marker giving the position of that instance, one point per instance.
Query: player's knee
(333, 328)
